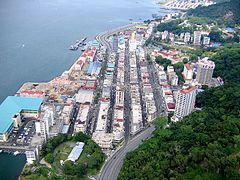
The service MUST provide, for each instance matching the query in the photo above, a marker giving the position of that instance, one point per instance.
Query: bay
(35, 36)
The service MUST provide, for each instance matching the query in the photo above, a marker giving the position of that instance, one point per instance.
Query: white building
(205, 71)
(133, 42)
(136, 118)
(103, 139)
(164, 35)
(187, 37)
(197, 37)
(188, 73)
(43, 126)
(174, 79)
(76, 152)
(102, 116)
(206, 40)
(185, 102)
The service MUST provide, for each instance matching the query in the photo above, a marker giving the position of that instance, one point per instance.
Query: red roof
(188, 90)
(32, 92)
(188, 66)
(165, 85)
(80, 62)
(168, 93)
(171, 105)
(116, 124)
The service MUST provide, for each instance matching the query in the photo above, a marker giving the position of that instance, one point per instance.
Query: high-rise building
(133, 42)
(206, 40)
(205, 71)
(187, 73)
(43, 126)
(164, 35)
(187, 37)
(185, 102)
(171, 37)
(197, 37)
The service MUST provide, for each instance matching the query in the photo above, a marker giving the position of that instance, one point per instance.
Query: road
(112, 97)
(127, 95)
(142, 97)
(113, 166)
(154, 80)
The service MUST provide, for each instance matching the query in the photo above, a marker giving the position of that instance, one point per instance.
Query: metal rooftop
(13, 105)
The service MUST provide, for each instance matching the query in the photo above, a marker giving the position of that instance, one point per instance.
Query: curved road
(113, 165)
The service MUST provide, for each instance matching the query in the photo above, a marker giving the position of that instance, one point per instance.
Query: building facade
(205, 71)
(185, 102)
(197, 37)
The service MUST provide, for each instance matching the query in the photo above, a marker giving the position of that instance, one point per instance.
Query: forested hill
(204, 145)
(226, 12)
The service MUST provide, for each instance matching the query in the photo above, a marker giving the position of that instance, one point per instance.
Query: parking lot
(23, 135)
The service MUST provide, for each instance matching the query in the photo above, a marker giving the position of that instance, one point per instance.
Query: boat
(78, 44)
(16, 153)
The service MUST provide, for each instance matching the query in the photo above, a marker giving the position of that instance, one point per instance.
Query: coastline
(108, 33)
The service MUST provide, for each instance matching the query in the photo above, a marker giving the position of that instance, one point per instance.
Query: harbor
(50, 59)
(78, 44)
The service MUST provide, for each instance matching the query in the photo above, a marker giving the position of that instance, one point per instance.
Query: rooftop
(76, 151)
(13, 105)
(188, 90)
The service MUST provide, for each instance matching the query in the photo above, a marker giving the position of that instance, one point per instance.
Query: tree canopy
(226, 13)
(205, 144)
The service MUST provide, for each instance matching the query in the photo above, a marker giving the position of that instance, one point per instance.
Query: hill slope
(226, 12)
(204, 145)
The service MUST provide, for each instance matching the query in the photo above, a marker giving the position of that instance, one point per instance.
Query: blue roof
(94, 67)
(230, 30)
(110, 65)
(14, 104)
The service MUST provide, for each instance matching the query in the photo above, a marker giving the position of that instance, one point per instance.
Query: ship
(79, 43)
(16, 153)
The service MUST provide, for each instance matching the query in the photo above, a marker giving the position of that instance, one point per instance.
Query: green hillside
(204, 145)
(226, 12)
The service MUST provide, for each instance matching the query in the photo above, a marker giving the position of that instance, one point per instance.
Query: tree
(49, 158)
(185, 60)
(163, 61)
(68, 168)
(179, 66)
(204, 145)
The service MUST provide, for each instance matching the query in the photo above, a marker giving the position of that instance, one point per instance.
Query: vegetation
(174, 27)
(57, 149)
(227, 61)
(225, 13)
(205, 144)
(163, 61)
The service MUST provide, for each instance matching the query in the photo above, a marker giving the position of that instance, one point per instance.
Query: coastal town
(119, 85)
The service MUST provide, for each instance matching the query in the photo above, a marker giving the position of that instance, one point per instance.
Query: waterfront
(8, 163)
(35, 37)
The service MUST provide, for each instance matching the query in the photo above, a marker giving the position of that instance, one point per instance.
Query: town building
(197, 37)
(13, 109)
(206, 40)
(185, 102)
(188, 73)
(45, 123)
(205, 70)
(103, 139)
(76, 152)
(187, 37)
(164, 35)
